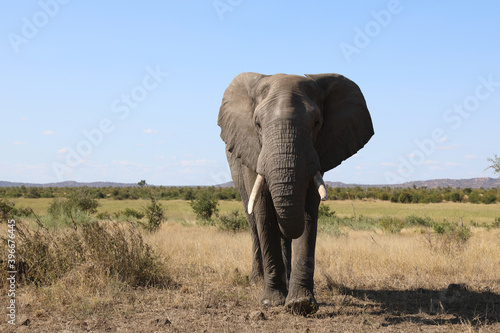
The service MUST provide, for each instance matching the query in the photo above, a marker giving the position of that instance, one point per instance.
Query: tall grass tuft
(234, 221)
(449, 238)
(110, 251)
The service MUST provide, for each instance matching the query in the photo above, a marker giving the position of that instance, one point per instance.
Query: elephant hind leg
(286, 252)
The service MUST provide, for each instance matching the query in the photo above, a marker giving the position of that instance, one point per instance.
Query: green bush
(456, 197)
(33, 193)
(130, 212)
(383, 196)
(329, 225)
(405, 197)
(391, 224)
(77, 201)
(7, 209)
(489, 198)
(474, 198)
(494, 225)
(414, 220)
(205, 205)
(155, 215)
(324, 210)
(103, 216)
(234, 221)
(74, 218)
(451, 237)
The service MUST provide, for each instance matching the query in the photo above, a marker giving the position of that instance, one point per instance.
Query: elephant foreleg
(270, 239)
(300, 297)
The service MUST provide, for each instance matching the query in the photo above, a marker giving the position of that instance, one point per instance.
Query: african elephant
(282, 133)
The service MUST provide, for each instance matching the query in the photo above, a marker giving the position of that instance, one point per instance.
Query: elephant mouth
(259, 184)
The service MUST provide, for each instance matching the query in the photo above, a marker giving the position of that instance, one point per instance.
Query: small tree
(205, 205)
(80, 200)
(405, 197)
(155, 215)
(495, 164)
(325, 211)
(6, 209)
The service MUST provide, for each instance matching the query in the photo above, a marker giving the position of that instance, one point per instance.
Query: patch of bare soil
(204, 308)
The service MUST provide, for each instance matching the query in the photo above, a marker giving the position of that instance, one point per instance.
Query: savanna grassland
(380, 266)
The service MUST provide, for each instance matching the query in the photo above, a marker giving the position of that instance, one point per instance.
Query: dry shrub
(448, 237)
(391, 224)
(112, 251)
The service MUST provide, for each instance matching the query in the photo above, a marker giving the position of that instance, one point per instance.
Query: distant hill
(483, 182)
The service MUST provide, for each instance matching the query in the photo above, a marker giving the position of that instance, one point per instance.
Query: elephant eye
(257, 124)
(317, 124)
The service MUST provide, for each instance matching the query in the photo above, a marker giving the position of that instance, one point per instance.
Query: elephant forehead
(285, 82)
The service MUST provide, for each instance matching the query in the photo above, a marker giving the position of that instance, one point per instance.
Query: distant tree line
(118, 193)
(416, 194)
(397, 195)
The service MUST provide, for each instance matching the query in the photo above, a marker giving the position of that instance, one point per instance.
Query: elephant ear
(347, 125)
(236, 119)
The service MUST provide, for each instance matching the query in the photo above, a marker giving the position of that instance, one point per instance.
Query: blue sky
(127, 90)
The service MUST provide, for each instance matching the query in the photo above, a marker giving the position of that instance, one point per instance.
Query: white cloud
(451, 147)
(431, 162)
(62, 150)
(435, 168)
(453, 164)
(471, 157)
(362, 166)
(18, 143)
(149, 131)
(24, 118)
(202, 162)
(388, 164)
(48, 132)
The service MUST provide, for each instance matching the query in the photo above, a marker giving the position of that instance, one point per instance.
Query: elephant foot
(273, 297)
(301, 302)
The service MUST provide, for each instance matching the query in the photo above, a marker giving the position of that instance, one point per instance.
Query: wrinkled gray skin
(287, 128)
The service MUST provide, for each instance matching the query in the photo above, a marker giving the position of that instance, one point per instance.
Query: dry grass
(451, 211)
(365, 281)
(408, 261)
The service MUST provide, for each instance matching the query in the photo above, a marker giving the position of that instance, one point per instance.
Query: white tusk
(320, 184)
(257, 187)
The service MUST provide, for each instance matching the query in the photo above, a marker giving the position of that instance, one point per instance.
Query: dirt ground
(236, 309)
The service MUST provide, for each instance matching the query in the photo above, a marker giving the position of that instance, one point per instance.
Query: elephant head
(291, 129)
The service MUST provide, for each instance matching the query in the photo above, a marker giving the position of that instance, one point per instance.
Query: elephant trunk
(289, 163)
